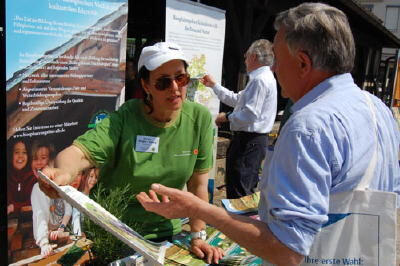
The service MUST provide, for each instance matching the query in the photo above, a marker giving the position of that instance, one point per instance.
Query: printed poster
(200, 31)
(64, 73)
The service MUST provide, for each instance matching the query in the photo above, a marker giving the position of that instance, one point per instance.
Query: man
(324, 148)
(252, 118)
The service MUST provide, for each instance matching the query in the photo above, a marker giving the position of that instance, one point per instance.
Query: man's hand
(59, 176)
(205, 251)
(208, 81)
(174, 202)
(221, 118)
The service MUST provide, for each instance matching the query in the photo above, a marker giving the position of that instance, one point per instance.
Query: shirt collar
(322, 88)
(257, 71)
(156, 123)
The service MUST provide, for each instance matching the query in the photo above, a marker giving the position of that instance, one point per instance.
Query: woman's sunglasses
(165, 82)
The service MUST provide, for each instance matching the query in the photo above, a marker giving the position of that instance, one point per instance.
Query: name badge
(147, 144)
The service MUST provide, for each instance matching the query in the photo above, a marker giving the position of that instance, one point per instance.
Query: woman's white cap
(154, 56)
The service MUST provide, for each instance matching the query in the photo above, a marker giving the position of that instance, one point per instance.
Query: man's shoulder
(264, 75)
(335, 110)
(316, 116)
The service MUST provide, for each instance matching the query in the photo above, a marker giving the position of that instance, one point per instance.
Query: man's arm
(253, 97)
(226, 96)
(252, 234)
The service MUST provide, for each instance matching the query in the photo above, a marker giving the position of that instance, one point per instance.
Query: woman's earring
(149, 97)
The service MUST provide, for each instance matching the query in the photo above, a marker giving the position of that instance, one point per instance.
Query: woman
(162, 138)
(20, 179)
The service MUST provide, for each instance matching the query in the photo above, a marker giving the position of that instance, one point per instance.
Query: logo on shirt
(183, 153)
(97, 118)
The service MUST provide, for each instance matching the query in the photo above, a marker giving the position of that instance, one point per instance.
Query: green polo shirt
(185, 145)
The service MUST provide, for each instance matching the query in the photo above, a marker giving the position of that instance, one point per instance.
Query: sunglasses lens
(163, 84)
(182, 80)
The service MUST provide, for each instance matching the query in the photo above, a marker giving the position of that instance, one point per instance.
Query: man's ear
(305, 63)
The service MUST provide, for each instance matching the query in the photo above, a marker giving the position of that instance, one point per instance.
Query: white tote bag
(361, 229)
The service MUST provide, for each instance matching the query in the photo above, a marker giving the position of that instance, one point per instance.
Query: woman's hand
(70, 162)
(59, 176)
(205, 251)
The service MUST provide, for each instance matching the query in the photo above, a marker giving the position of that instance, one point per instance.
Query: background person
(42, 156)
(50, 219)
(324, 148)
(46, 212)
(85, 183)
(252, 118)
(89, 180)
(20, 178)
(162, 138)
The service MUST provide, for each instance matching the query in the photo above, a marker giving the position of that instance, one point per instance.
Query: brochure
(179, 253)
(242, 205)
(153, 252)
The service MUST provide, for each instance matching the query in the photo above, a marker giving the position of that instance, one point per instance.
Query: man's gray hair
(322, 32)
(263, 50)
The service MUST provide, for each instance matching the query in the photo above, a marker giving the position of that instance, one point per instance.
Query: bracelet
(62, 226)
(201, 235)
(227, 114)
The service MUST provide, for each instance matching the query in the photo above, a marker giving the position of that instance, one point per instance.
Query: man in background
(252, 118)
